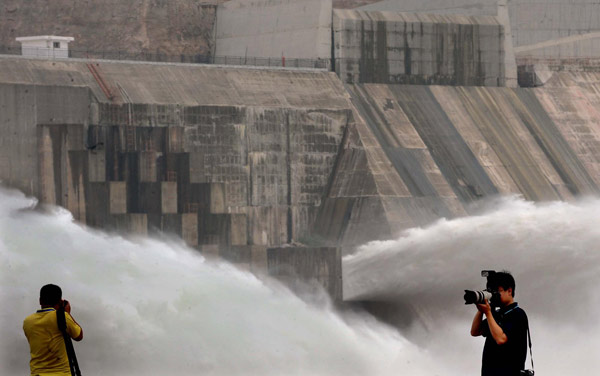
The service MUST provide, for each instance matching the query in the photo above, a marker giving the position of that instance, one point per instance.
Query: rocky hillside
(171, 27)
(165, 26)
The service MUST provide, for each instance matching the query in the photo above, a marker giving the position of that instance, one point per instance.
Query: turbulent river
(154, 307)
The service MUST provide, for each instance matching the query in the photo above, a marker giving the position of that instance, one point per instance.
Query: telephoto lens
(477, 297)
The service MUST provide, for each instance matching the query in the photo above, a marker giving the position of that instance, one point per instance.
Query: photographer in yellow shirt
(46, 342)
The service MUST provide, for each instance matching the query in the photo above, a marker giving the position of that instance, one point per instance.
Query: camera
(490, 293)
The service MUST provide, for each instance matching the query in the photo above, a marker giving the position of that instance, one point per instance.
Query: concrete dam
(384, 157)
(243, 161)
(288, 169)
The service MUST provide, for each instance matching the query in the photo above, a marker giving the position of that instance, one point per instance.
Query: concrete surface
(249, 150)
(307, 269)
(417, 48)
(267, 168)
(274, 28)
(540, 28)
(417, 153)
(241, 161)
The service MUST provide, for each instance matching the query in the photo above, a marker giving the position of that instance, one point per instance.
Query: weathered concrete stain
(415, 48)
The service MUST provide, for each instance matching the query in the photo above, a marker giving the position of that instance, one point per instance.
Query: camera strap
(528, 336)
(530, 351)
(62, 326)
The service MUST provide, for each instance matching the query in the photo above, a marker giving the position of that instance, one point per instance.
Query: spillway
(416, 281)
(148, 306)
(151, 307)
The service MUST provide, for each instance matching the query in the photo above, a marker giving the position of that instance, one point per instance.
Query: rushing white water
(552, 249)
(154, 308)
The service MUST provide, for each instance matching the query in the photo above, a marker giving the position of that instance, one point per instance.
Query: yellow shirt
(46, 343)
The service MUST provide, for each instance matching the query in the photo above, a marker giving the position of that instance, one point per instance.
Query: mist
(155, 307)
(552, 250)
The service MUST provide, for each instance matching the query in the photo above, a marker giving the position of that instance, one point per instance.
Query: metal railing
(167, 58)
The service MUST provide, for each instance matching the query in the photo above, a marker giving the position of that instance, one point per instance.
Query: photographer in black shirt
(505, 329)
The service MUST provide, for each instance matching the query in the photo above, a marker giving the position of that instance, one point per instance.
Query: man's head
(50, 295)
(504, 283)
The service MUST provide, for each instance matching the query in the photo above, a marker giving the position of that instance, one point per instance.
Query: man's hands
(66, 305)
(484, 308)
(495, 329)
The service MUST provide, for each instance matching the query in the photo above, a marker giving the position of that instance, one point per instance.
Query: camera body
(490, 293)
(63, 305)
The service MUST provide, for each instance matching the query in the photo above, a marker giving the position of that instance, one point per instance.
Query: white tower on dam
(49, 46)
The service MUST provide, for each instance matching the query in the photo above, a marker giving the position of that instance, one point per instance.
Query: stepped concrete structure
(414, 48)
(421, 152)
(369, 46)
(539, 28)
(231, 160)
(297, 29)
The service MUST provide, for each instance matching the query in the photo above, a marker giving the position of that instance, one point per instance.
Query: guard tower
(48, 46)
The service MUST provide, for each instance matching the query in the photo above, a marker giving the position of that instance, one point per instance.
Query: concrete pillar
(258, 262)
(77, 184)
(217, 198)
(46, 167)
(268, 225)
(189, 229)
(117, 197)
(147, 166)
(168, 197)
(510, 63)
(226, 229)
(183, 225)
(195, 197)
(238, 229)
(132, 223)
(98, 204)
(156, 198)
(175, 139)
(97, 166)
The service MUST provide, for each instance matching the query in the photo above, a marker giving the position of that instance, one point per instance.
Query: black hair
(505, 280)
(50, 295)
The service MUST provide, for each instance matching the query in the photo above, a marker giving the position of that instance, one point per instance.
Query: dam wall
(427, 152)
(298, 29)
(233, 161)
(413, 48)
(261, 166)
(370, 46)
(548, 29)
(22, 107)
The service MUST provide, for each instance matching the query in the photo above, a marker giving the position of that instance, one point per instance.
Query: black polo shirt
(507, 359)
